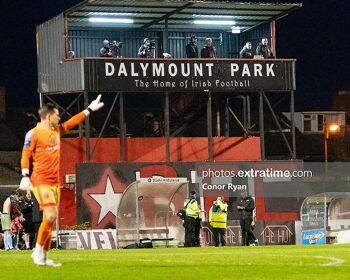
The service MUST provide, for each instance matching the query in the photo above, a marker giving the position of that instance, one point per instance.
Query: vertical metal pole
(80, 125)
(121, 127)
(249, 122)
(165, 36)
(325, 216)
(87, 128)
(292, 120)
(244, 111)
(41, 99)
(210, 128)
(227, 119)
(167, 127)
(57, 226)
(273, 37)
(137, 213)
(261, 125)
(218, 121)
(121, 39)
(326, 148)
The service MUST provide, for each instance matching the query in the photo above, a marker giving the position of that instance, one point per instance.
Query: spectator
(264, 49)
(147, 49)
(247, 51)
(10, 217)
(106, 50)
(191, 48)
(208, 51)
(28, 227)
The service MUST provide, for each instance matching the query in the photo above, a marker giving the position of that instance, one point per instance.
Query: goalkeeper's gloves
(94, 106)
(25, 183)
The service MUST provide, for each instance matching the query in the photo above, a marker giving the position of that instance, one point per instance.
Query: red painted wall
(147, 150)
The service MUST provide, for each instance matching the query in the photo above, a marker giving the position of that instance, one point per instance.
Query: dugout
(147, 209)
(325, 218)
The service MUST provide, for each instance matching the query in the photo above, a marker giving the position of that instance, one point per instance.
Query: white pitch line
(333, 261)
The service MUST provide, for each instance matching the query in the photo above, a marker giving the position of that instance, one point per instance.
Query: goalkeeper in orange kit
(42, 144)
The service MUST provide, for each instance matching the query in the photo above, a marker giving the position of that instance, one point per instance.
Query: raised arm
(80, 117)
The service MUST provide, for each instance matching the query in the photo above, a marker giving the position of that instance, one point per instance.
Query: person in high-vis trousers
(218, 221)
(192, 213)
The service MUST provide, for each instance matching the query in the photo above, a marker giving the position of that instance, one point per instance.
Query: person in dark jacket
(28, 229)
(247, 51)
(264, 49)
(147, 49)
(208, 51)
(245, 208)
(191, 48)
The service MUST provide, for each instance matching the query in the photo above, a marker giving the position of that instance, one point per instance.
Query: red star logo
(103, 200)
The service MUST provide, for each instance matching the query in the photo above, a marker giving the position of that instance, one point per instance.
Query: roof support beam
(156, 20)
(167, 15)
(212, 12)
(192, 3)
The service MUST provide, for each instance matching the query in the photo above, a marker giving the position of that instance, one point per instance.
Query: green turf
(265, 262)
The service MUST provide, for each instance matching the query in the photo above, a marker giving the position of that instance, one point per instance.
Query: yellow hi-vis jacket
(192, 209)
(218, 219)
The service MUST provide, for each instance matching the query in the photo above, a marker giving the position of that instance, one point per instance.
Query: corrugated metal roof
(180, 13)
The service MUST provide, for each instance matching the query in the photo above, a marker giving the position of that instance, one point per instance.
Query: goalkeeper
(42, 144)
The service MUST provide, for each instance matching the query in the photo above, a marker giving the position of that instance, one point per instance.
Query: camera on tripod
(152, 43)
(111, 49)
(116, 45)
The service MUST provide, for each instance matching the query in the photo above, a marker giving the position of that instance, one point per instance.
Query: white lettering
(109, 69)
(158, 70)
(269, 70)
(209, 65)
(257, 70)
(133, 73)
(187, 73)
(234, 69)
(172, 69)
(245, 70)
(198, 70)
(144, 69)
(122, 70)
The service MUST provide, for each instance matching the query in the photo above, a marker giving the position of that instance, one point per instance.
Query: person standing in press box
(42, 144)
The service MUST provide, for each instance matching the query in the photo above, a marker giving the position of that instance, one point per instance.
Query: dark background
(316, 35)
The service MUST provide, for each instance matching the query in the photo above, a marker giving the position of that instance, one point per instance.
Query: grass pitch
(265, 262)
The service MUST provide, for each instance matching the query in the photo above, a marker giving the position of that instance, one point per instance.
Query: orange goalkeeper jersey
(43, 145)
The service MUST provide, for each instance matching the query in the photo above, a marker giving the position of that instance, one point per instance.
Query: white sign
(96, 239)
(161, 180)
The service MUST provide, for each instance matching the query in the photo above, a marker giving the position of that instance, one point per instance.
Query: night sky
(317, 35)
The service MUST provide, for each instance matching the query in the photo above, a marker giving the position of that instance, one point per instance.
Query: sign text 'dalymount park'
(182, 75)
